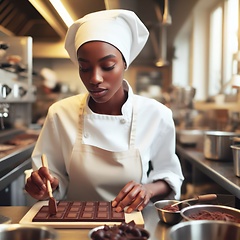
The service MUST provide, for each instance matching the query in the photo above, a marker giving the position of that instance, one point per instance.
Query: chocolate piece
(78, 211)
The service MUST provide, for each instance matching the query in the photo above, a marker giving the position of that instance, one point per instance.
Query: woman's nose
(96, 77)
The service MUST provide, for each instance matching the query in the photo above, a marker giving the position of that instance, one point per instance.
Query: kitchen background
(190, 63)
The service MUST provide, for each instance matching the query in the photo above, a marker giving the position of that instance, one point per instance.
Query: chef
(48, 92)
(100, 145)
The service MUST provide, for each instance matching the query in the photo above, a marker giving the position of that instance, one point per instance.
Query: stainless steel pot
(217, 145)
(236, 159)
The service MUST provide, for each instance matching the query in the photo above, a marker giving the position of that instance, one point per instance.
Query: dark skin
(101, 69)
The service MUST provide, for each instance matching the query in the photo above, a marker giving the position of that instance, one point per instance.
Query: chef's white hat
(49, 78)
(121, 28)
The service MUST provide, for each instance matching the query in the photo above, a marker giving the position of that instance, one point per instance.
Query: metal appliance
(181, 102)
(16, 90)
(16, 97)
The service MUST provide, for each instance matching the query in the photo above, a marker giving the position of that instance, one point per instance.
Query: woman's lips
(98, 93)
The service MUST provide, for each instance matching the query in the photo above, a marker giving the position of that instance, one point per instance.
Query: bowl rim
(166, 200)
(191, 132)
(199, 222)
(235, 146)
(200, 206)
(166, 211)
(221, 133)
(94, 229)
(18, 226)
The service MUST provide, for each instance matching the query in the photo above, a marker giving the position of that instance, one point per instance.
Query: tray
(27, 219)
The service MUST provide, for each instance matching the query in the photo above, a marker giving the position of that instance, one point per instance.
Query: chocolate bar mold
(80, 211)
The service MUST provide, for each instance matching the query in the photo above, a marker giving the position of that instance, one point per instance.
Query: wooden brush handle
(45, 164)
(207, 197)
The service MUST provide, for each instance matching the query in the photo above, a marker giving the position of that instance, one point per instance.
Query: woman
(99, 145)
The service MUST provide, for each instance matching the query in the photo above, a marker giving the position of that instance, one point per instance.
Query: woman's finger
(134, 198)
(123, 193)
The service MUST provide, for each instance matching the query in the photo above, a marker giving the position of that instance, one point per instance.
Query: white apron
(98, 174)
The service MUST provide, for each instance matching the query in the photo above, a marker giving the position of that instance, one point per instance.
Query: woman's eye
(109, 68)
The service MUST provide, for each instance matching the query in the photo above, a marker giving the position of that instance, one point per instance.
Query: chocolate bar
(80, 211)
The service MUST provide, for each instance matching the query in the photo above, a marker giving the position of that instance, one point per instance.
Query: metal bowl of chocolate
(211, 212)
(123, 231)
(167, 213)
(26, 232)
(204, 229)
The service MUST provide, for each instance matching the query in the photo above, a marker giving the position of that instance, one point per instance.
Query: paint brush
(52, 206)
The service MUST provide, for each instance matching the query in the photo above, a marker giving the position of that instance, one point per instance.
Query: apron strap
(81, 113)
(134, 123)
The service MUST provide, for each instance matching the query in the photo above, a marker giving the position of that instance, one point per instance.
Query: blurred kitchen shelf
(203, 106)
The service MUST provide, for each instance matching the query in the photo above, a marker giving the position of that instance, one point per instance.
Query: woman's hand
(36, 183)
(134, 195)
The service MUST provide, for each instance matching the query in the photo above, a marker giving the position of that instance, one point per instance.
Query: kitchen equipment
(236, 159)
(166, 216)
(183, 96)
(203, 229)
(26, 232)
(190, 136)
(217, 145)
(5, 90)
(200, 198)
(52, 206)
(16, 87)
(3, 48)
(188, 213)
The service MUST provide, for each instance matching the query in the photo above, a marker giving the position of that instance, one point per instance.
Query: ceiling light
(63, 13)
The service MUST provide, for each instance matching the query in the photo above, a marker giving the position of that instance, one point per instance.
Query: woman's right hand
(36, 184)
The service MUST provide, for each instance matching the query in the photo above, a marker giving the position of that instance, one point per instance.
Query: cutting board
(27, 219)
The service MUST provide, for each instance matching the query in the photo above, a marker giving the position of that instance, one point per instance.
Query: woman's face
(101, 69)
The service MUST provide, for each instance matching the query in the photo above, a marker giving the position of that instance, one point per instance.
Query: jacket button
(122, 121)
(86, 135)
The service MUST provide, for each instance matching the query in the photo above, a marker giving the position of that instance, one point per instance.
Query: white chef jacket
(155, 138)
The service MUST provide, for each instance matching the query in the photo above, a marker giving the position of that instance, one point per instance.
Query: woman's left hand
(134, 195)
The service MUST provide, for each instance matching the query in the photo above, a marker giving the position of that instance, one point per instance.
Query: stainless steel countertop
(14, 162)
(219, 171)
(157, 229)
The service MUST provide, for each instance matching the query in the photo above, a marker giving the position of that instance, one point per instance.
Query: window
(223, 45)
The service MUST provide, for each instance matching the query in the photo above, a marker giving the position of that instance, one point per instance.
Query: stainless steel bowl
(217, 145)
(236, 159)
(190, 136)
(168, 216)
(204, 229)
(187, 212)
(26, 232)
